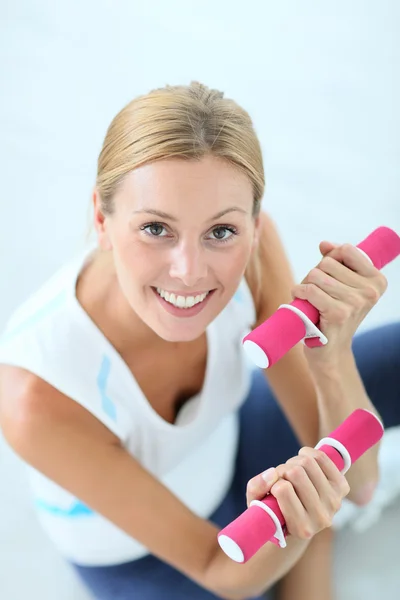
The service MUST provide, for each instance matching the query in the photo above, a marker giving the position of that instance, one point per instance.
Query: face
(181, 236)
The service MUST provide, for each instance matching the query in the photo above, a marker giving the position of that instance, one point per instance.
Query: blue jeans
(266, 439)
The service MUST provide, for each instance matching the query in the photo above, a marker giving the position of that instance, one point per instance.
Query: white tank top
(53, 337)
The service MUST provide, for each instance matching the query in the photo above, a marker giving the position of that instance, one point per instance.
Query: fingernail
(269, 475)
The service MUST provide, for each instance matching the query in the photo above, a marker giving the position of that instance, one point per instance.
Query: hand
(308, 488)
(344, 286)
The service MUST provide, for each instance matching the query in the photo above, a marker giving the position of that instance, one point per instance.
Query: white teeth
(182, 301)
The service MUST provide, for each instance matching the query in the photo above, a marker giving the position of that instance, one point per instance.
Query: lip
(183, 312)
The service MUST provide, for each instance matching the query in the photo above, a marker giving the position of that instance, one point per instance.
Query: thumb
(270, 477)
(261, 484)
(326, 247)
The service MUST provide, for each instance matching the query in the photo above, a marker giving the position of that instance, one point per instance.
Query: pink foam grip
(359, 432)
(382, 246)
(334, 455)
(284, 329)
(313, 342)
(254, 528)
(250, 531)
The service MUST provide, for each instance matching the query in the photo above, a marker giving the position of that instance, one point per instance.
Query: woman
(125, 388)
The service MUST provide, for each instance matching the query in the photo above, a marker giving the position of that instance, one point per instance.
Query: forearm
(237, 581)
(340, 391)
(316, 398)
(294, 389)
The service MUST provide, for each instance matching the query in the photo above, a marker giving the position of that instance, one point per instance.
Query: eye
(154, 229)
(223, 233)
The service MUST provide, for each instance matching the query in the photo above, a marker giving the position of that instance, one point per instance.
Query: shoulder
(45, 300)
(20, 391)
(29, 406)
(269, 274)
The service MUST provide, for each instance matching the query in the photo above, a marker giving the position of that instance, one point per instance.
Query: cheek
(231, 267)
(136, 258)
(131, 266)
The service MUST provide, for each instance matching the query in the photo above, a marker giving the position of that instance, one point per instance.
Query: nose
(188, 263)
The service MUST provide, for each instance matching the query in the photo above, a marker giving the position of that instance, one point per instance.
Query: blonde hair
(187, 122)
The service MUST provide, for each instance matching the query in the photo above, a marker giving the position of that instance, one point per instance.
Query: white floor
(366, 564)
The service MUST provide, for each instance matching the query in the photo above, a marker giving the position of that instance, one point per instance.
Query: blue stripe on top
(37, 316)
(78, 509)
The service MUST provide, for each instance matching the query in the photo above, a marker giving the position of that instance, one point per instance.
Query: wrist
(332, 369)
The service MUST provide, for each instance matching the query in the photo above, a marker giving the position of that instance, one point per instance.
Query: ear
(100, 222)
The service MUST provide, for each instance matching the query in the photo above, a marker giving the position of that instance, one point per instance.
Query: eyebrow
(164, 215)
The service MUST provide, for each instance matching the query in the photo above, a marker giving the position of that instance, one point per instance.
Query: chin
(180, 336)
(181, 332)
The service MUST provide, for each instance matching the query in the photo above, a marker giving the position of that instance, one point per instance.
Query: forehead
(209, 181)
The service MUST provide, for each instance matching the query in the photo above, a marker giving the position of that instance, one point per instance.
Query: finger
(338, 271)
(260, 485)
(329, 469)
(296, 518)
(321, 300)
(369, 277)
(325, 247)
(334, 287)
(320, 497)
(339, 282)
(351, 256)
(295, 473)
(307, 461)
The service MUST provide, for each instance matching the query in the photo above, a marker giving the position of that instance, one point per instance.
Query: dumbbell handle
(298, 320)
(263, 521)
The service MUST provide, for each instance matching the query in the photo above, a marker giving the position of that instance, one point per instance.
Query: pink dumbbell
(263, 520)
(298, 320)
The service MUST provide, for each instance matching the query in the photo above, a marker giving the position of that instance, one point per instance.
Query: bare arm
(289, 378)
(43, 427)
(339, 392)
(315, 401)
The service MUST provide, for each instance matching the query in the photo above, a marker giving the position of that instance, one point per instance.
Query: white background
(321, 82)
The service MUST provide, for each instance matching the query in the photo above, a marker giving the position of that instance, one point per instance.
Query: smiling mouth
(180, 301)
